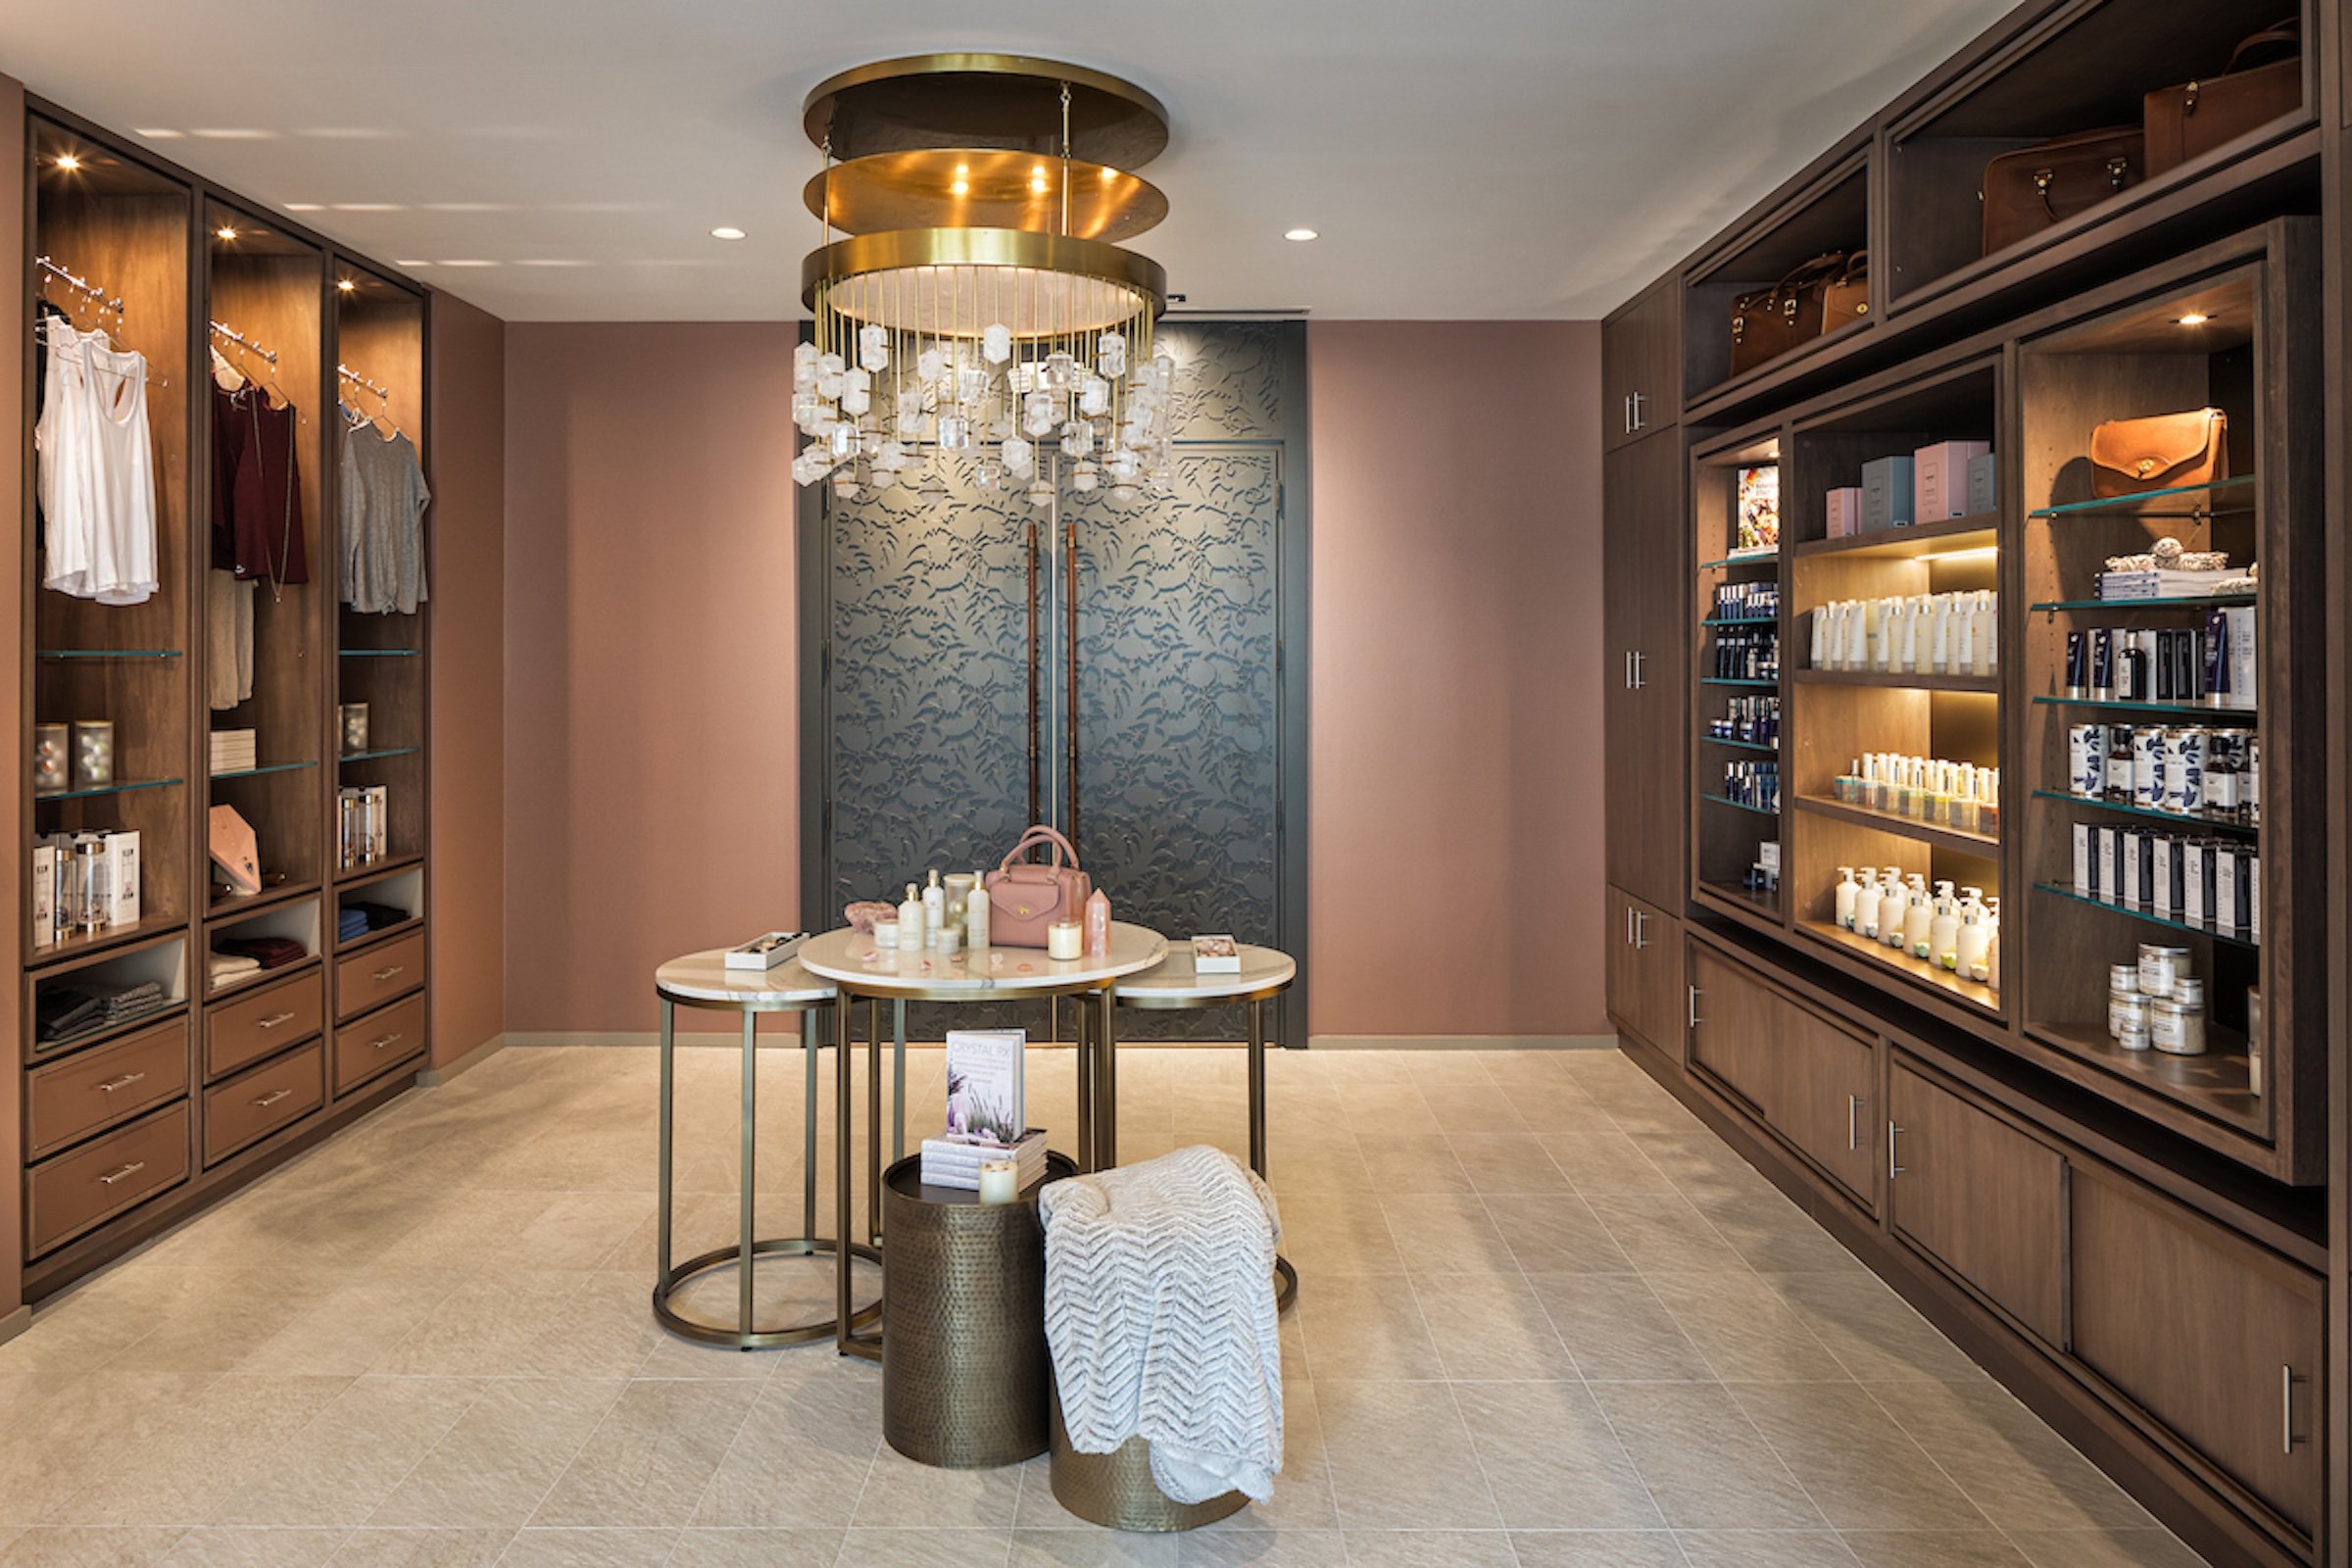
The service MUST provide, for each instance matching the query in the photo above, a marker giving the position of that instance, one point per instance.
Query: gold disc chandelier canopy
(976, 307)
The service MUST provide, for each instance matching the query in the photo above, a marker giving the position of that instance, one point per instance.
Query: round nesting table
(859, 969)
(702, 980)
(1176, 984)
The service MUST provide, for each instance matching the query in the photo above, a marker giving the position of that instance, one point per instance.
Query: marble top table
(704, 980)
(852, 958)
(1175, 983)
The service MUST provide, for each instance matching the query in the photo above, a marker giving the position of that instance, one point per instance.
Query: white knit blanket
(1159, 1310)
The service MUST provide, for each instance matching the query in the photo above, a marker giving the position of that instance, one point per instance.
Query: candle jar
(1000, 1180)
(1064, 939)
(93, 753)
(959, 886)
(885, 934)
(52, 768)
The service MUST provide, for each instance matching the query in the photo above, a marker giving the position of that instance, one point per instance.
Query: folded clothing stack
(271, 953)
(228, 968)
(356, 918)
(77, 1007)
(349, 925)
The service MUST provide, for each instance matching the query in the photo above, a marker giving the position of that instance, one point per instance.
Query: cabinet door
(1731, 1038)
(1981, 1197)
(1824, 1099)
(1644, 707)
(1645, 972)
(2214, 1337)
(1640, 364)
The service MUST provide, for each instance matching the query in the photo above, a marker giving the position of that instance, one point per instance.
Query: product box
(2134, 887)
(2196, 871)
(2224, 889)
(766, 951)
(2165, 852)
(379, 821)
(1886, 494)
(1217, 954)
(1940, 479)
(122, 877)
(1983, 484)
(44, 896)
(2253, 897)
(2110, 867)
(1845, 511)
(2086, 863)
(2243, 659)
(986, 1094)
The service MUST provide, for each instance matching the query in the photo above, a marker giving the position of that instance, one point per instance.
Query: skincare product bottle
(1847, 892)
(1919, 920)
(935, 906)
(1988, 638)
(912, 932)
(1895, 914)
(1939, 635)
(1943, 931)
(2078, 667)
(1866, 905)
(976, 916)
(1097, 925)
(1970, 947)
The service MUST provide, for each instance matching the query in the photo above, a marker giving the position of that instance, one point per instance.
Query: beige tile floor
(1545, 1320)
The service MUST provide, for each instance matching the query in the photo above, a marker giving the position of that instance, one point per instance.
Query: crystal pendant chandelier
(978, 309)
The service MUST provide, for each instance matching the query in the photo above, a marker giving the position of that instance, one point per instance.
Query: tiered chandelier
(978, 309)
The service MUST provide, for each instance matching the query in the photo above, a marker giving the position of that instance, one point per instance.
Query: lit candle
(1000, 1180)
(1064, 939)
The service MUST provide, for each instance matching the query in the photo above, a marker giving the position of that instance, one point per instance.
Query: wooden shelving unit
(197, 268)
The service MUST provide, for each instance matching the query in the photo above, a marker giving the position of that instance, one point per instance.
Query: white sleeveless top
(97, 470)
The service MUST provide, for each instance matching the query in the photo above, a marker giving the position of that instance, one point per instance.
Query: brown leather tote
(2036, 187)
(1818, 297)
(2263, 81)
(2163, 452)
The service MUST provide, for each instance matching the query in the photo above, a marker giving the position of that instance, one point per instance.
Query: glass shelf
(369, 757)
(2202, 711)
(2193, 602)
(273, 767)
(125, 787)
(1975, 535)
(1738, 805)
(2230, 934)
(1734, 680)
(379, 652)
(1900, 680)
(2132, 503)
(105, 653)
(1910, 827)
(2228, 824)
(1976, 993)
(1769, 558)
(1741, 621)
(1745, 745)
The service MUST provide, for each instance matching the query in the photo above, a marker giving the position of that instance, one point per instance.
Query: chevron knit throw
(1160, 1311)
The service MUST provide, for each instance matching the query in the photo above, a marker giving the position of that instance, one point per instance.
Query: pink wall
(468, 696)
(652, 803)
(650, 695)
(1454, 692)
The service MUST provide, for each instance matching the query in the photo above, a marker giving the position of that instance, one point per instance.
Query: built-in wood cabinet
(1810, 1078)
(1642, 679)
(1643, 970)
(1641, 366)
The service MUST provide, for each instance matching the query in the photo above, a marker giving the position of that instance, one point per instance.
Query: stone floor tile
(1704, 1463)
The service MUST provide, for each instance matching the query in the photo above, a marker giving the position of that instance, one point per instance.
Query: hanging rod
(220, 329)
(87, 291)
(346, 373)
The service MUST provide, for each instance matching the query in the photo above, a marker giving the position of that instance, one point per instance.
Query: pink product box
(1845, 513)
(1940, 479)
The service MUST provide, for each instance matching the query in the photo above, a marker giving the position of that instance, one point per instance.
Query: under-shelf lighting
(2195, 319)
(1972, 553)
(224, 231)
(345, 285)
(68, 161)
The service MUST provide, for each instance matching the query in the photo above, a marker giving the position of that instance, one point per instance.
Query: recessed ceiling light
(306, 207)
(411, 263)
(466, 261)
(1301, 235)
(159, 134)
(68, 161)
(224, 231)
(726, 232)
(2195, 319)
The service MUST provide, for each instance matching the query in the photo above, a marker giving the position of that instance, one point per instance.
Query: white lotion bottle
(1866, 903)
(1847, 892)
(1974, 940)
(935, 907)
(1919, 920)
(976, 916)
(912, 933)
(1943, 932)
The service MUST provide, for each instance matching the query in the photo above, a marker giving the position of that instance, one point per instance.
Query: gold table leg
(1106, 1078)
(1083, 1029)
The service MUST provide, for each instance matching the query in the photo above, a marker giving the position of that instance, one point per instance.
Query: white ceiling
(561, 160)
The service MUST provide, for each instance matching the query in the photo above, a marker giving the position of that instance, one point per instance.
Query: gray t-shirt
(383, 503)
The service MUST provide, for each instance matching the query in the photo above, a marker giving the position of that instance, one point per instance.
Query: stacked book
(2158, 583)
(955, 1159)
(233, 751)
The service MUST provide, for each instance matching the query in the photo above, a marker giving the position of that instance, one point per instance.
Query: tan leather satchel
(2263, 81)
(2163, 452)
(2036, 187)
(1823, 294)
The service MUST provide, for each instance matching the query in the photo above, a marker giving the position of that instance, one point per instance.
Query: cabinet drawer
(2215, 1338)
(71, 1100)
(75, 1192)
(373, 976)
(256, 1104)
(1981, 1197)
(253, 1027)
(368, 1047)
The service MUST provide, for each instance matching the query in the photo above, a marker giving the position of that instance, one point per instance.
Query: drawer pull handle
(1853, 1119)
(124, 1082)
(274, 1020)
(2286, 1409)
(378, 1045)
(386, 974)
(125, 1174)
(273, 1098)
(1894, 1169)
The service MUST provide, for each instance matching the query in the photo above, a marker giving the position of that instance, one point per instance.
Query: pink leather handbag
(1024, 897)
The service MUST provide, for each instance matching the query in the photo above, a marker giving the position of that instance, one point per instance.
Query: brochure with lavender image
(985, 1090)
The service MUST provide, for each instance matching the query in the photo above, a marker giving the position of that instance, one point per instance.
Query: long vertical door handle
(1854, 1122)
(1639, 921)
(1639, 681)
(1632, 420)
(1691, 1010)
(2286, 1409)
(1626, 407)
(1892, 1169)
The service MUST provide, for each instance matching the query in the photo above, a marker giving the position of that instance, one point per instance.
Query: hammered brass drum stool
(702, 980)
(1115, 1490)
(964, 1364)
(1175, 985)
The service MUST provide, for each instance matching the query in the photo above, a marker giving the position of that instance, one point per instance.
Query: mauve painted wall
(469, 885)
(651, 802)
(652, 755)
(1454, 816)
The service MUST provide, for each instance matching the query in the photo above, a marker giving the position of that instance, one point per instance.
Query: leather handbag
(1823, 294)
(2163, 452)
(2263, 81)
(2036, 187)
(1024, 897)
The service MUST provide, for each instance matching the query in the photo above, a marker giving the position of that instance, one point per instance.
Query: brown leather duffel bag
(2263, 81)
(2036, 187)
(1821, 296)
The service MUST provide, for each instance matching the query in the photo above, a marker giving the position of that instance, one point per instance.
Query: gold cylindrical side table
(964, 1364)
(1115, 1490)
